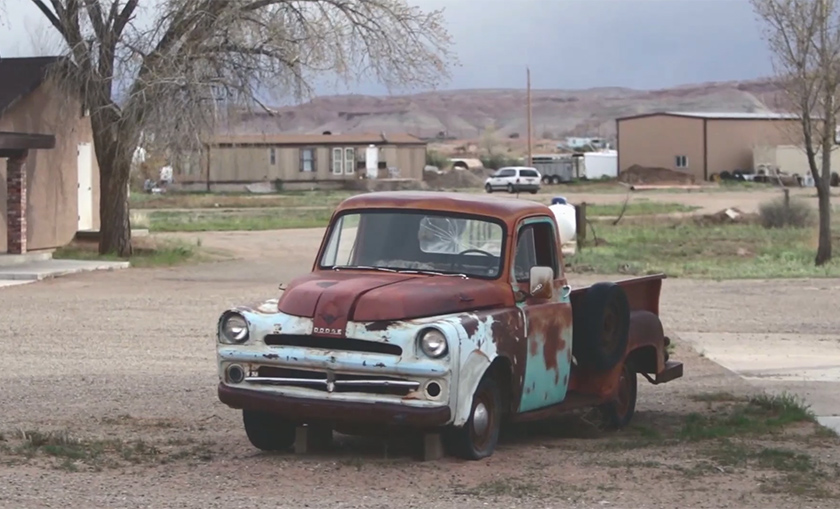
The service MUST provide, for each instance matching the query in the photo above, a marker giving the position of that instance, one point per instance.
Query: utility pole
(528, 71)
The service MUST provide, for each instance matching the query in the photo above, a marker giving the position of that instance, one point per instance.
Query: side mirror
(542, 279)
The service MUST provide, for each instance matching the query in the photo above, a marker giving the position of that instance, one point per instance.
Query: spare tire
(601, 326)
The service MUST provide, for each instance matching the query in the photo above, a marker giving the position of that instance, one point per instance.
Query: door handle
(567, 290)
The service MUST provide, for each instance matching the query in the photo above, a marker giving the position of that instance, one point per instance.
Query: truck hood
(332, 299)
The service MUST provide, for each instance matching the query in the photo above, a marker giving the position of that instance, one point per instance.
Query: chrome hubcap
(481, 419)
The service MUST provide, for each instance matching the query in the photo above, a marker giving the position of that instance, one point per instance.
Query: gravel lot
(128, 358)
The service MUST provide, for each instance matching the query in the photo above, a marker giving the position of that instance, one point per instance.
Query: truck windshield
(415, 242)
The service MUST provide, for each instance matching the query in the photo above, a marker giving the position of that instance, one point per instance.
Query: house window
(337, 161)
(682, 162)
(307, 159)
(343, 160)
(349, 160)
(272, 156)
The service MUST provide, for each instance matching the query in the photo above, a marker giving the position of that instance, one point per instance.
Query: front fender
(472, 370)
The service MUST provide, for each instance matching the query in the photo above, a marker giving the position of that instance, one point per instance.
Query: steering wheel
(479, 251)
(476, 251)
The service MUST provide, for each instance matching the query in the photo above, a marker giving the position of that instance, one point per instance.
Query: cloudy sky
(643, 44)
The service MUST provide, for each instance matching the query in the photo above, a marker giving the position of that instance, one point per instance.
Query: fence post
(580, 224)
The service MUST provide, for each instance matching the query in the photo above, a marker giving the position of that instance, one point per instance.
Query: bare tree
(804, 39)
(489, 139)
(164, 74)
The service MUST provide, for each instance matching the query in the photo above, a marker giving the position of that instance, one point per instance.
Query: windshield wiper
(362, 267)
(433, 273)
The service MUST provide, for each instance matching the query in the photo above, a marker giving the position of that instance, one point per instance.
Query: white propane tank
(564, 213)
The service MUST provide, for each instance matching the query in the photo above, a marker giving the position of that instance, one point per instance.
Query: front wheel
(268, 432)
(617, 414)
(477, 439)
(488, 188)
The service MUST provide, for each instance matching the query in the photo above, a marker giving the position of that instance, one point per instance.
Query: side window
(535, 247)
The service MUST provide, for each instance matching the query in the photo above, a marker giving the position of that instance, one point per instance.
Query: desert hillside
(468, 113)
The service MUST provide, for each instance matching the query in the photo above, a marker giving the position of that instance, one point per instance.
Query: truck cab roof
(508, 210)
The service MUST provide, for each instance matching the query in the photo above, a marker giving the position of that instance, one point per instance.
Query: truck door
(548, 322)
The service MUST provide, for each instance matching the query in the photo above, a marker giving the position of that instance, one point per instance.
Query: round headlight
(234, 328)
(433, 343)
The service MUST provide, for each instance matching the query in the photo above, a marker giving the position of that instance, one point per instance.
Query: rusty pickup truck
(446, 313)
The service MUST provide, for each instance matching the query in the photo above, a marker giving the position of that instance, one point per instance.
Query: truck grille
(334, 344)
(329, 382)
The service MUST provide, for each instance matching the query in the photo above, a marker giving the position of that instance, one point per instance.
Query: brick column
(16, 203)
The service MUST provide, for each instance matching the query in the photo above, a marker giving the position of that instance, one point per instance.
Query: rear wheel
(477, 439)
(618, 413)
(510, 188)
(268, 432)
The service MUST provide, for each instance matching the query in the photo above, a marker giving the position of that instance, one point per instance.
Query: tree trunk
(824, 200)
(115, 227)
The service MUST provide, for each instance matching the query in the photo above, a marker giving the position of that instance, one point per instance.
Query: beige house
(51, 194)
(702, 144)
(300, 161)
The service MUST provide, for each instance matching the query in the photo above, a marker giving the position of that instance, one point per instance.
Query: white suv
(514, 179)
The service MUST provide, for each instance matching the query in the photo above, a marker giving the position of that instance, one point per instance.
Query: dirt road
(125, 361)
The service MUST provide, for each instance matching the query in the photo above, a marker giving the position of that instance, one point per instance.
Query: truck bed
(642, 292)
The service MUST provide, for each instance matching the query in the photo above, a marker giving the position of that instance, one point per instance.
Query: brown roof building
(231, 162)
(46, 195)
(701, 144)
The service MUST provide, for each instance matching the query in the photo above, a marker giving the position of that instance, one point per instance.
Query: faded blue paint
(341, 362)
(546, 382)
(411, 365)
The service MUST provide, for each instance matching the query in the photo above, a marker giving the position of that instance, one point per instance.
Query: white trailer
(600, 164)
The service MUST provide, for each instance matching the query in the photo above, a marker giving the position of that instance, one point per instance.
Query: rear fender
(646, 345)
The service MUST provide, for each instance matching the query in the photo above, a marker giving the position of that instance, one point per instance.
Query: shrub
(497, 161)
(780, 213)
(435, 158)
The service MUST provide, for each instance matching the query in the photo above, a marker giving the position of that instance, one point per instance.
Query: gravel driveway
(125, 361)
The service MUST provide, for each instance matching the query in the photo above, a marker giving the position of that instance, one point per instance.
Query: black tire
(488, 188)
(533, 191)
(601, 326)
(725, 175)
(268, 432)
(546, 180)
(510, 188)
(555, 179)
(618, 414)
(468, 443)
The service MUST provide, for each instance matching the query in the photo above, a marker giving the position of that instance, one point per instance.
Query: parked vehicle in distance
(514, 179)
(440, 312)
(555, 168)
